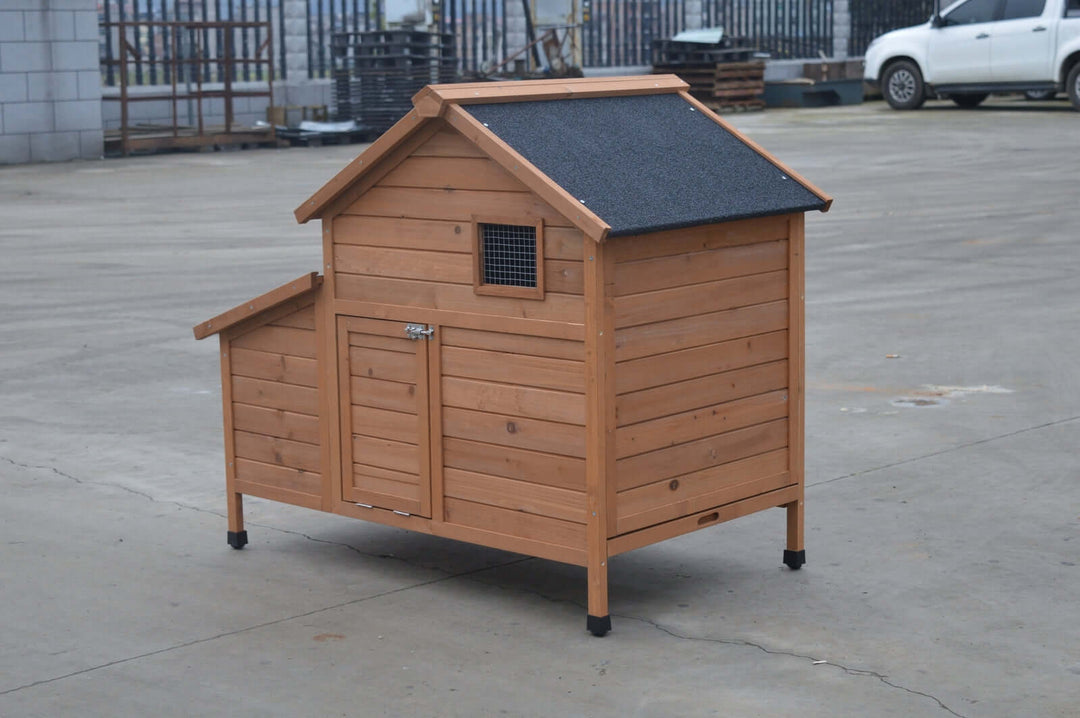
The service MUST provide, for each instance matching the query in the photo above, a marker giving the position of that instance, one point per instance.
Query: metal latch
(419, 331)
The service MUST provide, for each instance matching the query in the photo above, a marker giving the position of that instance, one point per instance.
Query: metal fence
(612, 33)
(870, 18)
(156, 54)
(782, 28)
(620, 32)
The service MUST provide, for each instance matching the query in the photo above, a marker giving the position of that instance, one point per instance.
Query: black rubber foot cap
(794, 559)
(238, 539)
(599, 625)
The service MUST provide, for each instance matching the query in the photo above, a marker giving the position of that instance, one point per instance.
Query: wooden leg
(599, 620)
(237, 535)
(795, 553)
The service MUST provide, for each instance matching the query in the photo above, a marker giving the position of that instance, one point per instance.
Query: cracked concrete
(941, 539)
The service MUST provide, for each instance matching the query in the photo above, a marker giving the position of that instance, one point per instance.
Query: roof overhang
(448, 103)
(445, 102)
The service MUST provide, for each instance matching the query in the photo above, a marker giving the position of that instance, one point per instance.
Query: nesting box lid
(616, 156)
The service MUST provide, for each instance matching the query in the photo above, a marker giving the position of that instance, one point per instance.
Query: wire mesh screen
(508, 254)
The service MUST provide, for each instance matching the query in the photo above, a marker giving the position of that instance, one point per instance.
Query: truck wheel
(902, 85)
(1072, 85)
(969, 100)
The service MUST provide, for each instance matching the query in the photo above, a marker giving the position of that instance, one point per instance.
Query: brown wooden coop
(562, 318)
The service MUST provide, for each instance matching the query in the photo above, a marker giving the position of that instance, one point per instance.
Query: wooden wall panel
(702, 372)
(275, 407)
(408, 240)
(513, 416)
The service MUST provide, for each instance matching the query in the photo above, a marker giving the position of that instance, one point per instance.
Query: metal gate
(620, 32)
(870, 18)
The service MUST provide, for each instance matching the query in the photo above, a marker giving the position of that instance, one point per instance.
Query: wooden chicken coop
(562, 318)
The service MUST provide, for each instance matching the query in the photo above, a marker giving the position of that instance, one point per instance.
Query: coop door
(385, 431)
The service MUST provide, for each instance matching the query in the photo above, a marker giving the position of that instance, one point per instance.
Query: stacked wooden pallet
(377, 72)
(723, 86)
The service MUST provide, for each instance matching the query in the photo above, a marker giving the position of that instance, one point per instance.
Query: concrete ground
(943, 500)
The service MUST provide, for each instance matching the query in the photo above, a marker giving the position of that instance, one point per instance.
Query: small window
(509, 259)
(1016, 9)
(1072, 9)
(973, 11)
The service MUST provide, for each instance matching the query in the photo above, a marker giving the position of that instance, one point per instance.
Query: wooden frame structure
(654, 388)
(132, 138)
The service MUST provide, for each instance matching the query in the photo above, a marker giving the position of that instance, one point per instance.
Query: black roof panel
(646, 163)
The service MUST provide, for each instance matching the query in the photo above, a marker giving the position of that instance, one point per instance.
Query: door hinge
(419, 331)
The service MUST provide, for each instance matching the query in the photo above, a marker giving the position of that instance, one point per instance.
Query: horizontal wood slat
(649, 339)
(513, 343)
(273, 450)
(522, 433)
(456, 205)
(280, 477)
(707, 391)
(382, 364)
(515, 495)
(514, 400)
(276, 422)
(701, 454)
(514, 523)
(700, 423)
(702, 519)
(404, 264)
(679, 302)
(387, 482)
(274, 367)
(532, 466)
(302, 319)
(476, 173)
(669, 499)
(455, 297)
(699, 239)
(400, 233)
(695, 268)
(399, 344)
(279, 340)
(563, 243)
(386, 454)
(383, 424)
(565, 277)
(448, 143)
(380, 394)
(274, 395)
(543, 372)
(671, 367)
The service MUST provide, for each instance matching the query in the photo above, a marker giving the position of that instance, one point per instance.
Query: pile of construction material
(722, 71)
(377, 72)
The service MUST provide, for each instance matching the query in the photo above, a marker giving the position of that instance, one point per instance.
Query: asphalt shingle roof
(646, 163)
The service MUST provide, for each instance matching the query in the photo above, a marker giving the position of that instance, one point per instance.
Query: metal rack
(377, 72)
(194, 65)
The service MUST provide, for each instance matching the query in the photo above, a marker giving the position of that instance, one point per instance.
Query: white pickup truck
(975, 47)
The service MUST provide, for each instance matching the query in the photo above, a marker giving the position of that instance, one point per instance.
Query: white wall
(50, 82)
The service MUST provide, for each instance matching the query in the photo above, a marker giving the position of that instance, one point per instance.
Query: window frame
(999, 8)
(506, 290)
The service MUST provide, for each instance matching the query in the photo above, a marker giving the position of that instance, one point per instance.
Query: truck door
(1020, 47)
(959, 51)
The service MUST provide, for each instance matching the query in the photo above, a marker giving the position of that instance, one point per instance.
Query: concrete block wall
(50, 82)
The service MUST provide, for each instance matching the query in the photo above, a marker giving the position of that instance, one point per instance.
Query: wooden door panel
(385, 416)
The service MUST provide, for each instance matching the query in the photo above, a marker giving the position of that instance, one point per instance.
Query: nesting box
(562, 318)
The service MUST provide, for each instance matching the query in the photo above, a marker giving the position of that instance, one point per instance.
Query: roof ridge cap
(432, 100)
